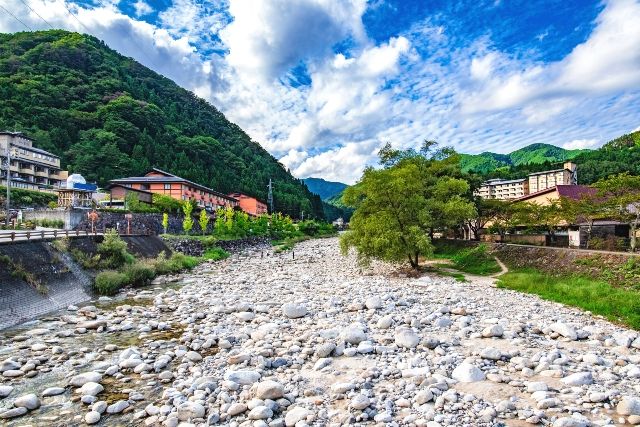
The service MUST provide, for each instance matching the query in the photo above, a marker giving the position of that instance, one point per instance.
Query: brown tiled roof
(575, 192)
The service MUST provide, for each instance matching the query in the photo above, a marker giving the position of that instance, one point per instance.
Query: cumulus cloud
(272, 67)
(267, 38)
(142, 8)
(581, 144)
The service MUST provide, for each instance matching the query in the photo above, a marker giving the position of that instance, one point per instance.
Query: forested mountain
(324, 189)
(108, 116)
(619, 155)
(529, 155)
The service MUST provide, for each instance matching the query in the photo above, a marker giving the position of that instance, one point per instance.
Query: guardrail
(41, 234)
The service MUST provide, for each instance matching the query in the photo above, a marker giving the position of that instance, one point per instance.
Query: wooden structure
(75, 198)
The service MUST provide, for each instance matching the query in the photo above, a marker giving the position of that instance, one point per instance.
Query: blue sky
(323, 84)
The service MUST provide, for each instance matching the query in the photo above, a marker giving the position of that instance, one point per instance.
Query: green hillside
(531, 154)
(324, 189)
(107, 116)
(617, 156)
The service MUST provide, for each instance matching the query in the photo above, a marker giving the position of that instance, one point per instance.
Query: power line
(76, 18)
(45, 21)
(16, 18)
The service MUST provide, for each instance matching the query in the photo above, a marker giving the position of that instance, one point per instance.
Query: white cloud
(142, 8)
(269, 37)
(581, 144)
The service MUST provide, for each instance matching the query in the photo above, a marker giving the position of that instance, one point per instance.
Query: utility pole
(270, 197)
(8, 216)
(302, 215)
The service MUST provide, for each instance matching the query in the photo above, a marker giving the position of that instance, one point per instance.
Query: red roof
(575, 192)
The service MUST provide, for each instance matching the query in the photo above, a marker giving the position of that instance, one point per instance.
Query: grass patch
(287, 244)
(215, 254)
(596, 296)
(458, 276)
(473, 260)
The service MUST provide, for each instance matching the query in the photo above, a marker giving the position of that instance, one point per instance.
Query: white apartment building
(503, 189)
(540, 181)
(31, 167)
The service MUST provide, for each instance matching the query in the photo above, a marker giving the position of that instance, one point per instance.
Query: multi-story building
(503, 189)
(568, 175)
(31, 168)
(160, 182)
(250, 205)
(534, 183)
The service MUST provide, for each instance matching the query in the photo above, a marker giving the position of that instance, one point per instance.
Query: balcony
(27, 169)
(42, 173)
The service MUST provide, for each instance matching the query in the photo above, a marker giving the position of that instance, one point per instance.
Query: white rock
(354, 334)
(492, 331)
(86, 377)
(294, 311)
(295, 414)
(90, 389)
(92, 417)
(407, 338)
(565, 330)
(190, 410)
(360, 401)
(29, 401)
(578, 379)
(628, 406)
(373, 303)
(243, 377)
(269, 390)
(467, 373)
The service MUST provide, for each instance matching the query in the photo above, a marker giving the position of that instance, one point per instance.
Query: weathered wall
(71, 217)
(62, 282)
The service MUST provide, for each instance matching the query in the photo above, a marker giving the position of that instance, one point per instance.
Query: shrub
(174, 264)
(215, 254)
(140, 273)
(113, 251)
(109, 282)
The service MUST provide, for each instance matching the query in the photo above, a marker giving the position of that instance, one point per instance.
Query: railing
(41, 234)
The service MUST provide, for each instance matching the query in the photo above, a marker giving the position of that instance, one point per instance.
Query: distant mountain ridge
(323, 188)
(531, 154)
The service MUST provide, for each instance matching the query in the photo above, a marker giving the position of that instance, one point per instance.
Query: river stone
(86, 377)
(565, 330)
(360, 402)
(324, 350)
(491, 353)
(260, 412)
(29, 401)
(117, 407)
(193, 356)
(493, 331)
(53, 391)
(92, 417)
(385, 322)
(628, 406)
(5, 390)
(373, 303)
(190, 410)
(13, 373)
(407, 338)
(354, 334)
(245, 377)
(90, 389)
(12, 413)
(9, 365)
(294, 415)
(269, 390)
(294, 311)
(467, 373)
(92, 324)
(236, 408)
(571, 422)
(578, 379)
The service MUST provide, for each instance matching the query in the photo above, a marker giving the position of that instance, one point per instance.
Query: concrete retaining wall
(71, 218)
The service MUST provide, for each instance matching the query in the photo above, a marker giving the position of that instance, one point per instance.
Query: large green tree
(621, 201)
(398, 206)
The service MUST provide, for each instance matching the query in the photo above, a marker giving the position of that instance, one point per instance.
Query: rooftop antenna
(270, 196)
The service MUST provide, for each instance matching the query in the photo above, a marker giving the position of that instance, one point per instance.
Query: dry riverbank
(316, 340)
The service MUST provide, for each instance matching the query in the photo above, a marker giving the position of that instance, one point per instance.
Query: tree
(621, 201)
(506, 216)
(545, 217)
(587, 208)
(165, 222)
(203, 221)
(397, 207)
(187, 223)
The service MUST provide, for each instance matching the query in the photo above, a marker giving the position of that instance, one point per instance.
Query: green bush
(174, 264)
(113, 251)
(215, 254)
(140, 273)
(109, 282)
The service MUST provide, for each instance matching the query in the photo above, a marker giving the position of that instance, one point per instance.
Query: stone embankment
(315, 340)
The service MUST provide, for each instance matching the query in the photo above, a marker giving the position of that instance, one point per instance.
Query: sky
(323, 84)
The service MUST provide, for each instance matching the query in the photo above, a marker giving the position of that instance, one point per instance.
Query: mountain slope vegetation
(324, 189)
(107, 116)
(531, 154)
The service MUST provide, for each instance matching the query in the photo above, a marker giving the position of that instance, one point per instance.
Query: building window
(167, 186)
